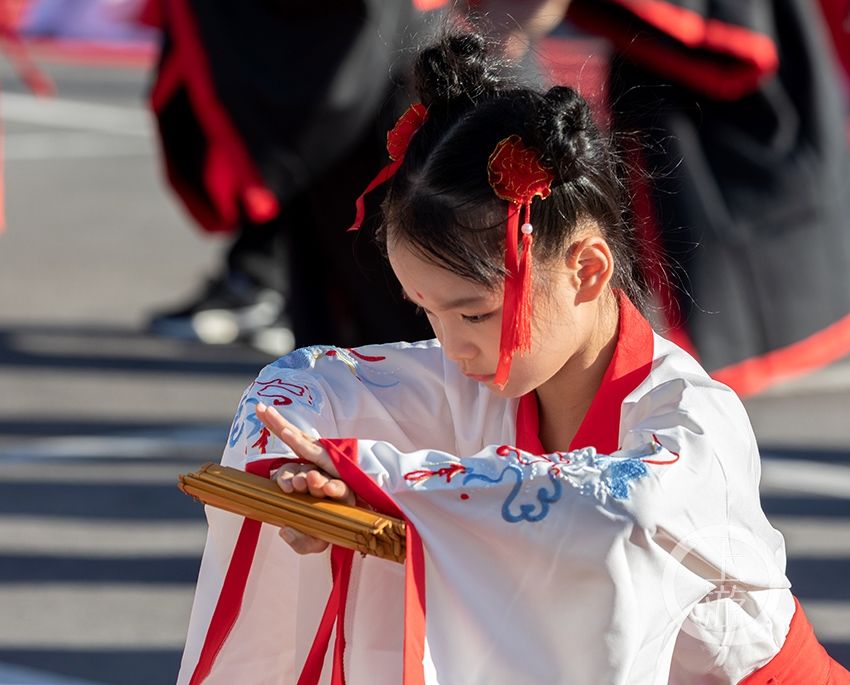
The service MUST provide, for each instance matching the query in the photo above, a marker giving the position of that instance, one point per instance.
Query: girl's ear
(592, 264)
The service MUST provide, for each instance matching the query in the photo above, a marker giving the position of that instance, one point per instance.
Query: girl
(581, 498)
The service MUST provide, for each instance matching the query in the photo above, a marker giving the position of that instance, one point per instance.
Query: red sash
(801, 661)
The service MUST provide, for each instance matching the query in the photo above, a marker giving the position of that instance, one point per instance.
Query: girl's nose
(456, 347)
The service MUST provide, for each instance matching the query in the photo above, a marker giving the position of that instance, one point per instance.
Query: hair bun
(460, 66)
(569, 130)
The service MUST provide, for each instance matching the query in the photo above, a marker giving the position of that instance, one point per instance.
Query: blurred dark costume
(273, 118)
(742, 130)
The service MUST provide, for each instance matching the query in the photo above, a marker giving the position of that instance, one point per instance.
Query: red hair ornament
(398, 140)
(517, 175)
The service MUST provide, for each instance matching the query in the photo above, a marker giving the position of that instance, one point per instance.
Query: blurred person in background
(737, 105)
(272, 120)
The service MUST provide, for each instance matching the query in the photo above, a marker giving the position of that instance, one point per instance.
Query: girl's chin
(509, 391)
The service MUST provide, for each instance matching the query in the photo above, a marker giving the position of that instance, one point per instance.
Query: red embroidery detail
(463, 495)
(398, 138)
(448, 472)
(263, 441)
(555, 459)
(330, 353)
(528, 459)
(516, 173)
(277, 391)
(660, 462)
(365, 357)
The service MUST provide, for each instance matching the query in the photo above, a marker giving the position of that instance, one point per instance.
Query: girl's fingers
(299, 482)
(316, 481)
(295, 438)
(301, 543)
(306, 478)
(336, 489)
(284, 475)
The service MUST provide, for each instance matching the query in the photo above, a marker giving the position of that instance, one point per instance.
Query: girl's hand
(319, 479)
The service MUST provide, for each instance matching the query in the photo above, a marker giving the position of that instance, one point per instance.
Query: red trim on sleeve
(150, 14)
(343, 452)
(837, 14)
(232, 180)
(748, 57)
(801, 661)
(168, 80)
(233, 589)
(629, 367)
(754, 375)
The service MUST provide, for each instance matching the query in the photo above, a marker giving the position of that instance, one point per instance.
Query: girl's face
(467, 319)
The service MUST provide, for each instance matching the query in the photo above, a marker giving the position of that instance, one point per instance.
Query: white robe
(649, 565)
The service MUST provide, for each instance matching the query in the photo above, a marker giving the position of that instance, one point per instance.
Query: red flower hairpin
(518, 176)
(398, 140)
(516, 173)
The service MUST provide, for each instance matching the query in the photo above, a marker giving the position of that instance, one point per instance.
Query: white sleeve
(545, 544)
(704, 511)
(303, 399)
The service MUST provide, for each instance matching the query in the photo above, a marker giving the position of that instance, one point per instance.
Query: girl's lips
(480, 379)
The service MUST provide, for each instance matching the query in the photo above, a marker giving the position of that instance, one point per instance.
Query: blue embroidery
(306, 358)
(248, 419)
(527, 512)
(590, 473)
(302, 358)
(292, 387)
(618, 474)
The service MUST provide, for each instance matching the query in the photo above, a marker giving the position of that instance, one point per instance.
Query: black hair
(440, 202)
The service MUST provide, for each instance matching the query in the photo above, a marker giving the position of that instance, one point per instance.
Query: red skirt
(801, 661)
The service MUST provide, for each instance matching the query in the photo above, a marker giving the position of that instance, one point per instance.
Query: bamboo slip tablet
(258, 498)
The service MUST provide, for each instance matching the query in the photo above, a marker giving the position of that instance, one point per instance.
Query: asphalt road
(98, 549)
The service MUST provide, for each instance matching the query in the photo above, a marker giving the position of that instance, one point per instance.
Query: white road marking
(98, 472)
(76, 114)
(63, 537)
(155, 444)
(833, 379)
(804, 477)
(72, 145)
(108, 615)
(830, 619)
(815, 537)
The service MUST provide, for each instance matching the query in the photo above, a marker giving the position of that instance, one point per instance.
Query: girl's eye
(477, 318)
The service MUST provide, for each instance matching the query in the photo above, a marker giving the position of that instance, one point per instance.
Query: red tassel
(507, 342)
(524, 308)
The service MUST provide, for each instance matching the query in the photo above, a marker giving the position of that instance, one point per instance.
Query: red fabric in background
(837, 15)
(721, 60)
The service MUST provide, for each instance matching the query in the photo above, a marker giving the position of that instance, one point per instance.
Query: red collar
(629, 367)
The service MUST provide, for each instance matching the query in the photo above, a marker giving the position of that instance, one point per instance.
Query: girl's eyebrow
(456, 303)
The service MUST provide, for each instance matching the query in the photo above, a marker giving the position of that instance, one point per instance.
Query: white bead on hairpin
(527, 229)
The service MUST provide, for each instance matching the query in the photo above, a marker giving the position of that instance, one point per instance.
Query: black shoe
(231, 309)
